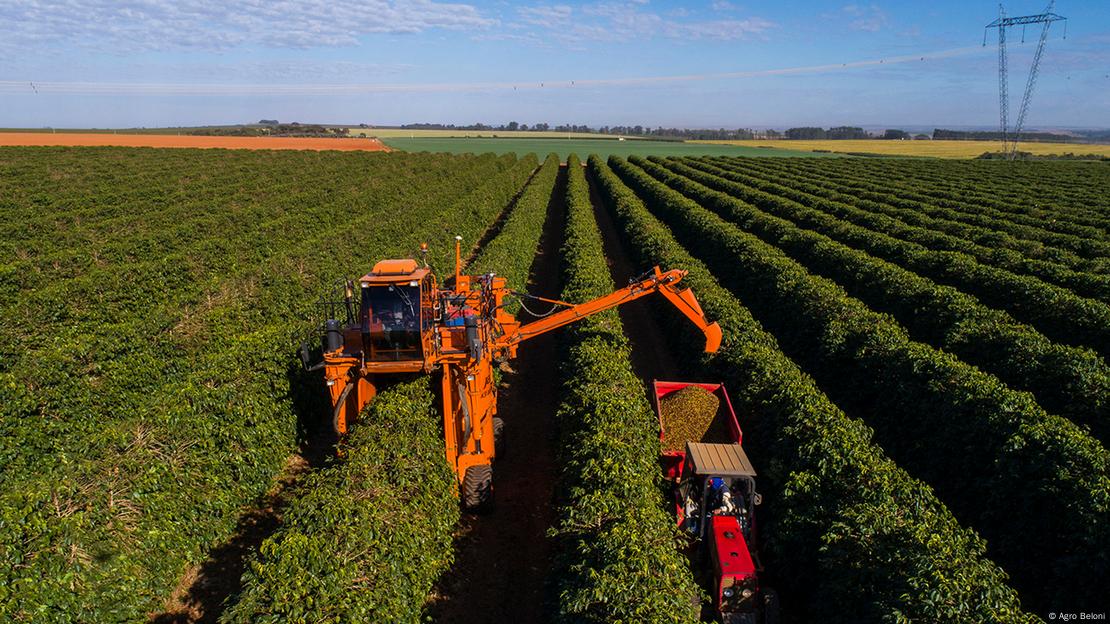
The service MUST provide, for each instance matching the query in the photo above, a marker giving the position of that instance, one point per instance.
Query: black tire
(770, 606)
(499, 437)
(477, 488)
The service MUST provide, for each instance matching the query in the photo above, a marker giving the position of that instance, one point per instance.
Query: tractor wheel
(499, 437)
(770, 606)
(477, 487)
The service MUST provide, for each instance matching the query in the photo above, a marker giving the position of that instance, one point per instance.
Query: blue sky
(706, 64)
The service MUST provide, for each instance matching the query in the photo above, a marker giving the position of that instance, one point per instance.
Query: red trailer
(715, 498)
(674, 460)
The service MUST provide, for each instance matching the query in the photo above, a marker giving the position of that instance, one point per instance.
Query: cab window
(391, 322)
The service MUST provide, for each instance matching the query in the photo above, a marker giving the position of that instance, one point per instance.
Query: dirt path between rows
(651, 357)
(199, 597)
(503, 556)
(42, 139)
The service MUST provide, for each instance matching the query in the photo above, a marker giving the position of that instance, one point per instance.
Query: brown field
(163, 140)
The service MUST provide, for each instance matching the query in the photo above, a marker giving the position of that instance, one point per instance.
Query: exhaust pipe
(333, 336)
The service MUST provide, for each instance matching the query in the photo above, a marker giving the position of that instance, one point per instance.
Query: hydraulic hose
(339, 406)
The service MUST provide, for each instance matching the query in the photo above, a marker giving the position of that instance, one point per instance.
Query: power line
(1009, 147)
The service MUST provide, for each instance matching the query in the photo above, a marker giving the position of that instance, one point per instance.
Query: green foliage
(1038, 235)
(565, 146)
(1056, 312)
(618, 557)
(936, 229)
(372, 532)
(851, 535)
(1066, 380)
(1061, 197)
(511, 252)
(992, 453)
(153, 391)
(500, 192)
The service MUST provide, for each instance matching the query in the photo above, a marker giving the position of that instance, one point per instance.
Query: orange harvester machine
(403, 322)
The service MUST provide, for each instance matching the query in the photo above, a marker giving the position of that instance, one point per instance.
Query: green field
(601, 147)
(937, 148)
(916, 348)
(415, 133)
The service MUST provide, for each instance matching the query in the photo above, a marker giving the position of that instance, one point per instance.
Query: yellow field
(937, 149)
(390, 133)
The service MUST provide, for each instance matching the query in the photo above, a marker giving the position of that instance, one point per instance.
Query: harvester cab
(394, 309)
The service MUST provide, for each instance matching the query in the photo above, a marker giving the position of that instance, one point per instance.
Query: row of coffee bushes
(937, 234)
(1069, 381)
(1051, 208)
(1039, 223)
(618, 553)
(371, 533)
(1059, 191)
(1056, 312)
(511, 252)
(992, 453)
(989, 227)
(849, 535)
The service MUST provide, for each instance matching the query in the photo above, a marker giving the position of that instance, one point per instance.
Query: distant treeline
(1095, 135)
(839, 132)
(983, 135)
(1030, 156)
(683, 134)
(721, 134)
(659, 132)
(272, 128)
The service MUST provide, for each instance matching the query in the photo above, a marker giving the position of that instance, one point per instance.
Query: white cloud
(869, 18)
(723, 5)
(545, 15)
(719, 29)
(626, 21)
(132, 25)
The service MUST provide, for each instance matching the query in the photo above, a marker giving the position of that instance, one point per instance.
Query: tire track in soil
(651, 356)
(204, 588)
(503, 556)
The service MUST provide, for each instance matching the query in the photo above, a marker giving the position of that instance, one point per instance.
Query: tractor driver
(720, 498)
(399, 328)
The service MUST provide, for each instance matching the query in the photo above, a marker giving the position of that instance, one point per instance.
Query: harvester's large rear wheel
(499, 437)
(477, 487)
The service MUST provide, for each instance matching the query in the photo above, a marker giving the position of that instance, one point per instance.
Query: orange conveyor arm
(663, 282)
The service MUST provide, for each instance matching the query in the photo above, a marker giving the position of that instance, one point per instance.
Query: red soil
(171, 140)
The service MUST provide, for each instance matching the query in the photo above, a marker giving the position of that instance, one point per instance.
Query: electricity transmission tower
(1009, 147)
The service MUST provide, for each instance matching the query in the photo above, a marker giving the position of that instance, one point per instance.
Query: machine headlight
(729, 592)
(747, 593)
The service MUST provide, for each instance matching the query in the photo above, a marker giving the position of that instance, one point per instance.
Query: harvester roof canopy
(393, 271)
(722, 460)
